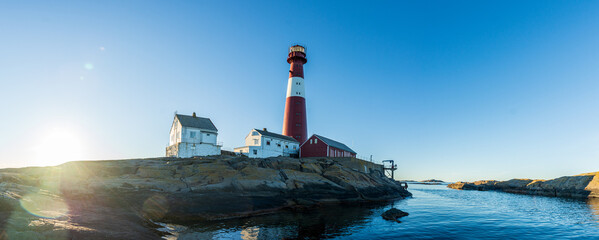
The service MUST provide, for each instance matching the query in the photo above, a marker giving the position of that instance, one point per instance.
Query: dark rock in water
(393, 214)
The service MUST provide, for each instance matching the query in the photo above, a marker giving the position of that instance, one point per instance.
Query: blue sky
(460, 90)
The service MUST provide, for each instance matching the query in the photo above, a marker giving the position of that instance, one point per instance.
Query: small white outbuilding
(192, 136)
(262, 144)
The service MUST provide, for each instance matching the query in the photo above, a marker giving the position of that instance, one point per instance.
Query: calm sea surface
(436, 212)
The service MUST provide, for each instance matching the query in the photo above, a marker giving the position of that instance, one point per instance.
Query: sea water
(436, 212)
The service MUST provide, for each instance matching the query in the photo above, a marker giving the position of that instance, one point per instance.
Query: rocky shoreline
(428, 182)
(579, 186)
(123, 198)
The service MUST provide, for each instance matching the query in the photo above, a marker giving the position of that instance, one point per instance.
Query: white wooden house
(192, 136)
(262, 144)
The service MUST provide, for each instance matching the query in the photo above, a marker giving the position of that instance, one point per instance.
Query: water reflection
(594, 205)
(436, 212)
(326, 222)
(250, 233)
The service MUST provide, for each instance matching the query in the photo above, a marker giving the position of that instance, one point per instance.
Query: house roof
(275, 135)
(196, 122)
(335, 144)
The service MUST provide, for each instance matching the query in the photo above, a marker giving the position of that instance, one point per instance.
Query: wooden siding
(318, 148)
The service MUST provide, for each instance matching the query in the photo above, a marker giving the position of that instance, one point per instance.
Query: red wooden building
(319, 146)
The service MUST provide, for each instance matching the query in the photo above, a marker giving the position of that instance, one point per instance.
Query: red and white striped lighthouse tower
(294, 122)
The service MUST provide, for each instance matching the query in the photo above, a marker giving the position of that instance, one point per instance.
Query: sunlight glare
(58, 146)
(44, 204)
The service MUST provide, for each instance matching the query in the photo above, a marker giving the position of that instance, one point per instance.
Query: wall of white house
(258, 146)
(253, 139)
(186, 150)
(196, 135)
(244, 150)
(175, 133)
(192, 141)
(260, 152)
(278, 145)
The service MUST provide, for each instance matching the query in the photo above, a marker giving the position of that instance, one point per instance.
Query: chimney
(264, 129)
(194, 114)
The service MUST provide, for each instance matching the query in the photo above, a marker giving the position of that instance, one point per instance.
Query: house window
(297, 114)
(315, 140)
(193, 147)
(192, 134)
(255, 141)
(278, 145)
(293, 147)
(254, 133)
(310, 141)
(255, 152)
(298, 124)
(267, 142)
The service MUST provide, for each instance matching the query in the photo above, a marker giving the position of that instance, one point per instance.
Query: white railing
(365, 158)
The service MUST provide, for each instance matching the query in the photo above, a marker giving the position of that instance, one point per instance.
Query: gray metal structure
(390, 168)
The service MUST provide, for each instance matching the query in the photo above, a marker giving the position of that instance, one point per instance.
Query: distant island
(425, 182)
(579, 186)
(432, 181)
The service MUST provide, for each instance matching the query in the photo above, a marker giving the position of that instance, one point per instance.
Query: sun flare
(58, 146)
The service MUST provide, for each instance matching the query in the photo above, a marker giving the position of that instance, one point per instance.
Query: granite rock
(124, 198)
(579, 186)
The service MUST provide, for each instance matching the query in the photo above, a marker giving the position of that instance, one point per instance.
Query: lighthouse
(294, 122)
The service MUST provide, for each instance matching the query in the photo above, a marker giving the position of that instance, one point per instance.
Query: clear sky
(453, 90)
